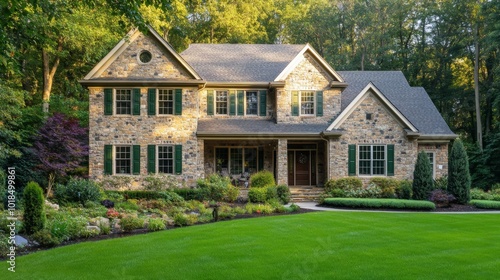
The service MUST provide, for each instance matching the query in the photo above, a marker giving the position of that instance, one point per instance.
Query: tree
(34, 215)
(459, 178)
(60, 147)
(423, 184)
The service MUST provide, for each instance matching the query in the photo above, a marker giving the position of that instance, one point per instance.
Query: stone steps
(304, 194)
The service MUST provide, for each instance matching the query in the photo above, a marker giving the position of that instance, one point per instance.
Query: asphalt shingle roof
(256, 126)
(240, 62)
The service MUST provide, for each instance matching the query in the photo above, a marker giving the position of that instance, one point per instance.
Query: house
(239, 108)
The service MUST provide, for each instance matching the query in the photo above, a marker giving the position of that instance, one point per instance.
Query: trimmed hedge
(486, 204)
(167, 195)
(379, 203)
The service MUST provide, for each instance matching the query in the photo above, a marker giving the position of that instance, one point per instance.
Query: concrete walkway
(313, 206)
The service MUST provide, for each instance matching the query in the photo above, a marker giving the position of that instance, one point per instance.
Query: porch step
(303, 194)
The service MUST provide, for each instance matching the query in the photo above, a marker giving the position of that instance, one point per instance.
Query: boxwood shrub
(262, 179)
(257, 195)
(486, 204)
(379, 203)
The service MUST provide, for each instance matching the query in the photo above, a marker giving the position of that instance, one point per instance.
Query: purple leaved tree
(60, 147)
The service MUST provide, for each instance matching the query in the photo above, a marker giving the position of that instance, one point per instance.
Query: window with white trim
(123, 103)
(165, 101)
(221, 100)
(372, 160)
(123, 160)
(166, 159)
(307, 102)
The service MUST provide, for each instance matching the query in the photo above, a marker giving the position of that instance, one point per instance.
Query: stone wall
(440, 157)
(282, 164)
(144, 130)
(162, 65)
(382, 129)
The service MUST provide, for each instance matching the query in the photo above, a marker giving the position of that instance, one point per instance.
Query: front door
(301, 167)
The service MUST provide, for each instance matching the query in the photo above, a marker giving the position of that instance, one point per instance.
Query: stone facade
(440, 152)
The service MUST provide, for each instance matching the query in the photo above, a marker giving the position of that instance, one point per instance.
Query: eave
(244, 84)
(255, 136)
(140, 82)
(436, 138)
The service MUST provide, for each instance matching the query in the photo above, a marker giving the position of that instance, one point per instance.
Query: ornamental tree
(33, 201)
(423, 184)
(459, 179)
(61, 146)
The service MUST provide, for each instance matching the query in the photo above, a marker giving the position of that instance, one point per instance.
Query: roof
(413, 102)
(240, 62)
(256, 127)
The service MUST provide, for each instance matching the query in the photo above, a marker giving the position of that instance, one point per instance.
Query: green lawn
(319, 245)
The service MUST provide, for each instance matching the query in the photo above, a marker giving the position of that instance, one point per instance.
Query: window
(145, 57)
(251, 103)
(372, 160)
(165, 101)
(431, 159)
(236, 160)
(123, 160)
(307, 103)
(123, 102)
(166, 159)
(221, 102)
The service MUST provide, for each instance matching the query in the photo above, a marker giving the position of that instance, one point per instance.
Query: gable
(124, 61)
(308, 75)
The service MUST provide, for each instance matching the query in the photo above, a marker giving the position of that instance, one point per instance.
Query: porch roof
(257, 128)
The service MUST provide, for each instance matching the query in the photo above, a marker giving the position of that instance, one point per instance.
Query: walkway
(313, 206)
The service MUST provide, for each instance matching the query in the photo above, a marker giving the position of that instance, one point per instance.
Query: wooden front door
(301, 168)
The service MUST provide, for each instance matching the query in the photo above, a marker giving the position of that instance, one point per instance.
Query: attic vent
(368, 116)
(145, 56)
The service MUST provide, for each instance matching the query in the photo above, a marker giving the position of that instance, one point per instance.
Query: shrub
(231, 194)
(441, 198)
(34, 215)
(257, 195)
(160, 182)
(214, 187)
(130, 223)
(441, 183)
(283, 193)
(479, 194)
(370, 191)
(387, 186)
(343, 183)
(156, 224)
(423, 183)
(4, 245)
(404, 190)
(108, 203)
(45, 239)
(65, 225)
(77, 190)
(190, 193)
(294, 208)
(486, 204)
(379, 203)
(171, 196)
(459, 179)
(271, 193)
(262, 179)
(116, 182)
(181, 219)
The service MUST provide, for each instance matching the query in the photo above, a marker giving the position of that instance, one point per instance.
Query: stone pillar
(282, 159)
(201, 159)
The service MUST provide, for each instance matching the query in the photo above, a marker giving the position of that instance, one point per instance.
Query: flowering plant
(112, 213)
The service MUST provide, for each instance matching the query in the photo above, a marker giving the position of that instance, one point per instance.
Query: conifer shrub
(34, 214)
(423, 184)
(459, 179)
(262, 179)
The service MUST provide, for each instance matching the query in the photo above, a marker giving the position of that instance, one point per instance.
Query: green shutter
(319, 103)
(108, 159)
(232, 102)
(151, 101)
(295, 103)
(178, 102)
(108, 101)
(136, 101)
(178, 159)
(390, 160)
(260, 162)
(241, 103)
(136, 159)
(352, 160)
(210, 102)
(262, 103)
(151, 158)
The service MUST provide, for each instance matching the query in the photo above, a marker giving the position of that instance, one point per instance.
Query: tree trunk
(48, 76)
(52, 179)
(479, 128)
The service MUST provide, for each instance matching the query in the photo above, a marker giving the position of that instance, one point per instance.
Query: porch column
(282, 158)
(201, 159)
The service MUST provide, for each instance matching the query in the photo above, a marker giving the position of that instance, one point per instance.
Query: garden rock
(93, 228)
(21, 241)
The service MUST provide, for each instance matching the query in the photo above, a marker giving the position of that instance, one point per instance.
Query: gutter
(121, 83)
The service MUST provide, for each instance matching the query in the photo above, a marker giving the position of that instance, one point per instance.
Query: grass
(318, 245)
(380, 203)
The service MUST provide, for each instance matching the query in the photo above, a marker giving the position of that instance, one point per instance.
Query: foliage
(343, 183)
(34, 215)
(259, 208)
(486, 204)
(65, 225)
(441, 183)
(108, 203)
(156, 224)
(116, 182)
(283, 193)
(294, 208)
(459, 180)
(423, 183)
(181, 219)
(379, 203)
(479, 194)
(60, 146)
(167, 195)
(405, 190)
(387, 186)
(77, 190)
(130, 223)
(257, 195)
(190, 193)
(127, 205)
(262, 179)
(45, 238)
(216, 187)
(441, 198)
(160, 182)
(231, 193)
